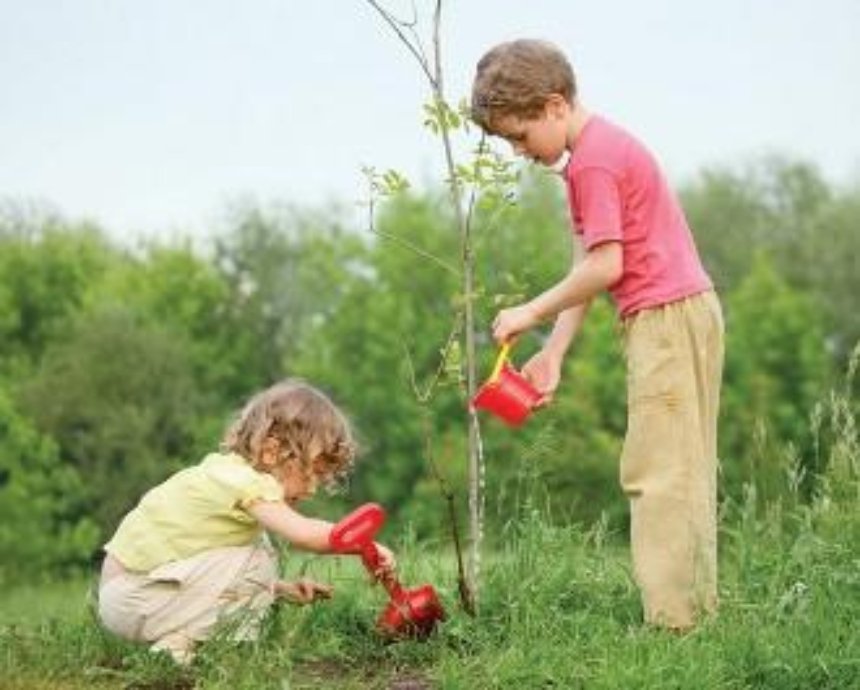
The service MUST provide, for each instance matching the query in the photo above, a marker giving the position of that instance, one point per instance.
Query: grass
(558, 610)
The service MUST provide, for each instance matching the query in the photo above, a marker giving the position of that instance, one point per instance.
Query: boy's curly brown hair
(516, 78)
(306, 423)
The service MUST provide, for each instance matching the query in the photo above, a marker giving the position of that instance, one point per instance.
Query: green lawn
(558, 610)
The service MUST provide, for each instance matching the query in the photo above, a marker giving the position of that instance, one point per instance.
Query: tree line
(120, 363)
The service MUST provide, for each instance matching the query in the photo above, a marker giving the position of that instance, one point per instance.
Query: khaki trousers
(181, 603)
(669, 459)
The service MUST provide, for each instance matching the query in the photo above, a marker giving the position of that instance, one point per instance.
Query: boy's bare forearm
(600, 269)
(567, 325)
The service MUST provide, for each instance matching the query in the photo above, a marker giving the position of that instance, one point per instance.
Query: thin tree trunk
(474, 439)
(434, 75)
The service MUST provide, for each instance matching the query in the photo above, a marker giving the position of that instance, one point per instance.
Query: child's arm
(601, 268)
(308, 534)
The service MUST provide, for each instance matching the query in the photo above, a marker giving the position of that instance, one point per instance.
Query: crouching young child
(193, 556)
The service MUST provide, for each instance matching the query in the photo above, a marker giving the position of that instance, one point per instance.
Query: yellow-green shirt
(197, 509)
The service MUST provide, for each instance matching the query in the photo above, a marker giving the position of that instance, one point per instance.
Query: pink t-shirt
(617, 193)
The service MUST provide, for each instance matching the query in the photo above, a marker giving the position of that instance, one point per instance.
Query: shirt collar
(560, 164)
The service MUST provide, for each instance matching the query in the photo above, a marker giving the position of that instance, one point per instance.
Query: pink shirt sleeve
(598, 206)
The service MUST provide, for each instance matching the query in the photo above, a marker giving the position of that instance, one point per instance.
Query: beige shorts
(669, 460)
(181, 603)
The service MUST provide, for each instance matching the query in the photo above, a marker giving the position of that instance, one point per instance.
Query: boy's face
(542, 139)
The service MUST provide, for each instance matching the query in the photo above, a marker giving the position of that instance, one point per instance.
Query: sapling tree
(483, 183)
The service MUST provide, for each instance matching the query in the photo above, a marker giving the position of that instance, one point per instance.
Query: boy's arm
(567, 325)
(544, 368)
(601, 268)
(569, 321)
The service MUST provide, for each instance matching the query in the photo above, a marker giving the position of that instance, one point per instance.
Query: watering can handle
(371, 557)
(372, 561)
(502, 357)
(355, 531)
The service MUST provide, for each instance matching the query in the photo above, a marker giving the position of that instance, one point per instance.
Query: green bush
(43, 527)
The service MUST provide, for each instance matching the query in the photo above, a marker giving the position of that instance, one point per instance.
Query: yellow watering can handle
(504, 351)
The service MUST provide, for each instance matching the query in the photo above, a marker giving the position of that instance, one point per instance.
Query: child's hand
(387, 562)
(303, 591)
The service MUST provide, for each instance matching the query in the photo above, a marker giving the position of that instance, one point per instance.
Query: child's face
(299, 482)
(542, 139)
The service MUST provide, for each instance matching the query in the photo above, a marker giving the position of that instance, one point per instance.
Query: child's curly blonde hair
(516, 78)
(306, 423)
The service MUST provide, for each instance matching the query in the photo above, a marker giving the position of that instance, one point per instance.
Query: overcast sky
(150, 116)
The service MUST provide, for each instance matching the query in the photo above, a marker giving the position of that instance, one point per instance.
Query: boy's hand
(303, 591)
(544, 372)
(511, 322)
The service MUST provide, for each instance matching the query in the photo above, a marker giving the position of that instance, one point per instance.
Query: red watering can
(410, 612)
(507, 393)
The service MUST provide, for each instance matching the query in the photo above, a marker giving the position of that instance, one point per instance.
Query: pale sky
(152, 116)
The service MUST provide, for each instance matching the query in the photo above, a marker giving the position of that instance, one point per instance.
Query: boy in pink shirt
(638, 247)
